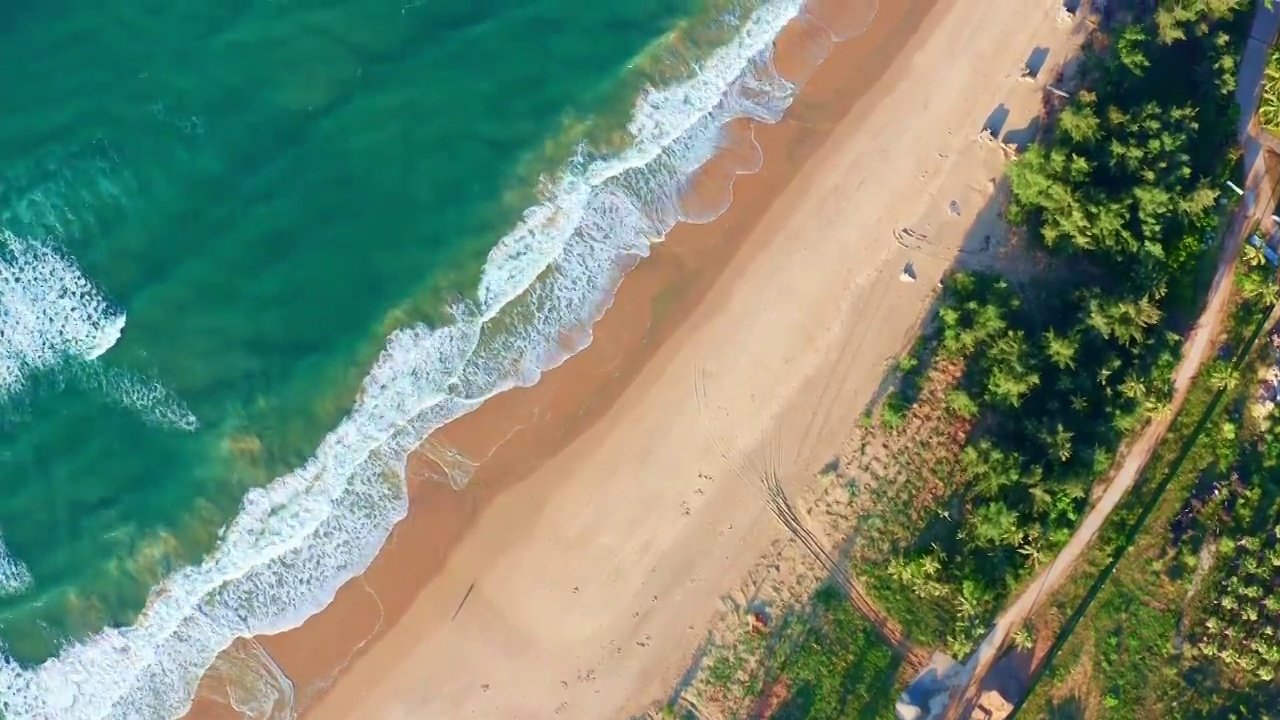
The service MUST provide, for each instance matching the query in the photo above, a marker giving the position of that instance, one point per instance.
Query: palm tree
(990, 469)
(1033, 553)
(995, 524)
(1061, 349)
(1124, 320)
(1222, 376)
(1078, 120)
(1252, 256)
(1010, 375)
(1133, 388)
(1107, 369)
(1041, 499)
(1058, 441)
(1261, 290)
(1129, 48)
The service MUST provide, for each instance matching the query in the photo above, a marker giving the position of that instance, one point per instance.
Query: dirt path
(1197, 348)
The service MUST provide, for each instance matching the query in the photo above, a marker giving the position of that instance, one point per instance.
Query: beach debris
(954, 208)
(759, 622)
(908, 273)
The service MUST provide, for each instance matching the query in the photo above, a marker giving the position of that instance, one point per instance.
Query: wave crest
(14, 576)
(49, 312)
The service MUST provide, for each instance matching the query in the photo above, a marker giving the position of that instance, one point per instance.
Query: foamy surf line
(298, 539)
(53, 317)
(48, 312)
(14, 576)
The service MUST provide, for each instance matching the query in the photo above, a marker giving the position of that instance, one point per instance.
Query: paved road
(1198, 347)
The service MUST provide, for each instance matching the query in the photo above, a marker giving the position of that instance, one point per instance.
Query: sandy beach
(604, 525)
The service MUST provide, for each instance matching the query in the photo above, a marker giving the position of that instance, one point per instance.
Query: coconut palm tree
(1058, 441)
(1252, 255)
(995, 524)
(1259, 289)
(1061, 349)
(1222, 376)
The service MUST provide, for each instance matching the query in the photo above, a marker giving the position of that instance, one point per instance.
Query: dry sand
(586, 561)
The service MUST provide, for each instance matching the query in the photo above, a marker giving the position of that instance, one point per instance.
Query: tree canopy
(1123, 189)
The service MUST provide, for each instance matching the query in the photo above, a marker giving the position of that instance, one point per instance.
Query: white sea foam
(49, 312)
(14, 576)
(51, 315)
(153, 403)
(296, 540)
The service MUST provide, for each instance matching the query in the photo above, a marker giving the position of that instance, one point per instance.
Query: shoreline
(424, 576)
(676, 277)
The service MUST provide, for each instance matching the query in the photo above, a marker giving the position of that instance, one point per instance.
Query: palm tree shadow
(1067, 709)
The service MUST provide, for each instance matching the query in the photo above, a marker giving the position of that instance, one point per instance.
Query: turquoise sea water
(251, 252)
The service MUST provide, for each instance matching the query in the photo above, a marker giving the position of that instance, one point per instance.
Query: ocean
(253, 252)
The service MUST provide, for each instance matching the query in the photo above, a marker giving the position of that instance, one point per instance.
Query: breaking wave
(14, 576)
(53, 318)
(299, 538)
(155, 404)
(49, 312)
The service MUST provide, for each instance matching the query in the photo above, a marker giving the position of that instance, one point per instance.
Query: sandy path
(1260, 197)
(595, 607)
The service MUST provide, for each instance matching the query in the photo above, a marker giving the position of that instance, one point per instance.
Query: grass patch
(822, 661)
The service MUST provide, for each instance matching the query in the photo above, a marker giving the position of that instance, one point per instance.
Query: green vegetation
(1269, 101)
(838, 669)
(1163, 620)
(1124, 193)
(1011, 407)
(820, 662)
(1174, 18)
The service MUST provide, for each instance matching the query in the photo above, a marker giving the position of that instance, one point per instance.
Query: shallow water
(212, 218)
